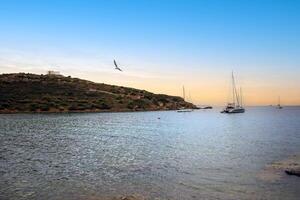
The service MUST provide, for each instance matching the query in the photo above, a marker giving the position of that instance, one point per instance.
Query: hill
(23, 92)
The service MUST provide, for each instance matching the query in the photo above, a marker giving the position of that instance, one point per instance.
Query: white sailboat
(236, 105)
(183, 109)
(278, 105)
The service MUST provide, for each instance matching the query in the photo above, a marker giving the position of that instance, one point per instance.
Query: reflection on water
(201, 154)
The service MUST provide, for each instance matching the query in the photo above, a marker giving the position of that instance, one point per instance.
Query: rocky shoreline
(81, 111)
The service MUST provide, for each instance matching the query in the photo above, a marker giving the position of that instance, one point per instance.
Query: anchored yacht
(183, 109)
(279, 105)
(236, 106)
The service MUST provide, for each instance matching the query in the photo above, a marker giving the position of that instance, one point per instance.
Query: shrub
(105, 106)
(130, 105)
(33, 107)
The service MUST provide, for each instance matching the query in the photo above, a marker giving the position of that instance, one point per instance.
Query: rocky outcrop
(131, 197)
(295, 172)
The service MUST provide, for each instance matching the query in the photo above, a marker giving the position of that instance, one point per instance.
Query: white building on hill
(56, 73)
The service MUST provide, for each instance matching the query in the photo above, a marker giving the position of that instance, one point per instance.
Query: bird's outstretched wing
(116, 66)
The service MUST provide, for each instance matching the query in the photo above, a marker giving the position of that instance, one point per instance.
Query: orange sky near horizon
(201, 89)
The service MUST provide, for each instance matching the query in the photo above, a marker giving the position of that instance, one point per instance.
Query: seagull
(116, 66)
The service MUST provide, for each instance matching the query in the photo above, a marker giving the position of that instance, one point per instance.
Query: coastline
(83, 111)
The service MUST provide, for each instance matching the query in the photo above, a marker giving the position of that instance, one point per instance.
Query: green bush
(33, 107)
(130, 105)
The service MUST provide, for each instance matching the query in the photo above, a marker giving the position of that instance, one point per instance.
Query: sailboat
(183, 109)
(236, 105)
(278, 105)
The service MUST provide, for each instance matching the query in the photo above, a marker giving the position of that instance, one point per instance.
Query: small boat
(278, 105)
(183, 109)
(236, 105)
(207, 107)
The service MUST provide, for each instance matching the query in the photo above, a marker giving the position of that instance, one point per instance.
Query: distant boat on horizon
(236, 106)
(205, 107)
(278, 105)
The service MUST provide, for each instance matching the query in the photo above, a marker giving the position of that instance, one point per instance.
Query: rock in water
(295, 172)
(129, 197)
(132, 197)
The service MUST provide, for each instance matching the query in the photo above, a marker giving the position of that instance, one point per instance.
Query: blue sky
(162, 44)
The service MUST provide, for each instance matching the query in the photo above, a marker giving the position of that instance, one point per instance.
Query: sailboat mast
(234, 93)
(241, 96)
(183, 92)
(233, 99)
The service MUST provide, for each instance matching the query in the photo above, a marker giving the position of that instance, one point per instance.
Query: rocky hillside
(22, 92)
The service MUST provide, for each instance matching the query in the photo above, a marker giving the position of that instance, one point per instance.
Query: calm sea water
(197, 155)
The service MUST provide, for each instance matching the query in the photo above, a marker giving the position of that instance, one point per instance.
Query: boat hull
(185, 110)
(234, 111)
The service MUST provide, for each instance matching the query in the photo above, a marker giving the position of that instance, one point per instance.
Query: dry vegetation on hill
(23, 92)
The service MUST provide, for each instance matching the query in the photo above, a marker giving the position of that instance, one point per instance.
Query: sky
(161, 45)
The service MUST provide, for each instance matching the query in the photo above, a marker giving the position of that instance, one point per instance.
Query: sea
(163, 155)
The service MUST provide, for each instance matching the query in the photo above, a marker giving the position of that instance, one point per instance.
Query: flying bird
(116, 66)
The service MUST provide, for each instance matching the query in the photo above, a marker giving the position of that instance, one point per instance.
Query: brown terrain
(32, 93)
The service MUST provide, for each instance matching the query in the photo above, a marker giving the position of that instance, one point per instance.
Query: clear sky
(161, 44)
